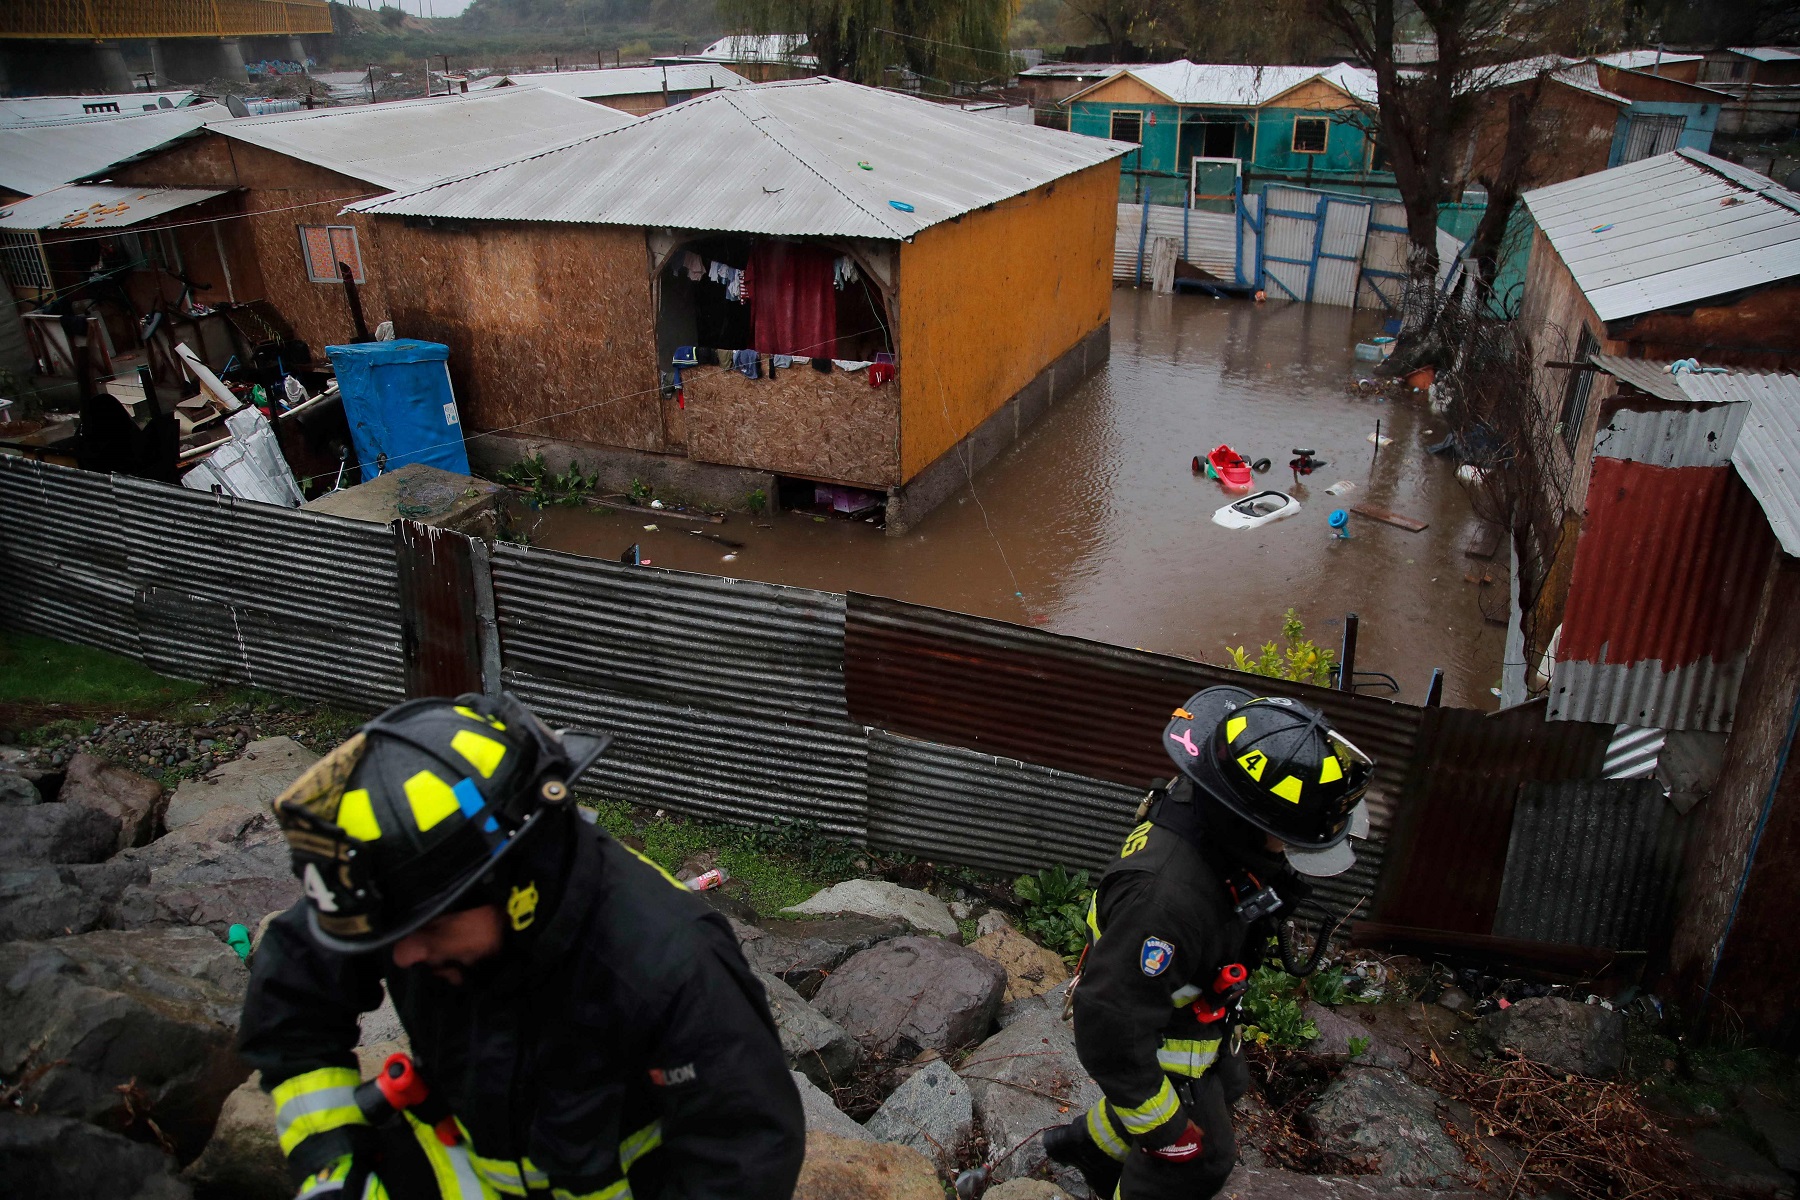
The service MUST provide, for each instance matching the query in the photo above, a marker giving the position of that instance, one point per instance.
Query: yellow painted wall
(1125, 89)
(989, 301)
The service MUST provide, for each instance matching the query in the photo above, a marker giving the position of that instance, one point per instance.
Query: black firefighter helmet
(1278, 764)
(396, 825)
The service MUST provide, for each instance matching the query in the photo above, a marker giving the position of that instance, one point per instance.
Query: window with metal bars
(1648, 136)
(1310, 134)
(23, 254)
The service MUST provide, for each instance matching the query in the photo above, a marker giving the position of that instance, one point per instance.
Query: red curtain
(792, 302)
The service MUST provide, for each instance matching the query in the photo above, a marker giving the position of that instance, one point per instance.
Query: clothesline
(749, 363)
(737, 279)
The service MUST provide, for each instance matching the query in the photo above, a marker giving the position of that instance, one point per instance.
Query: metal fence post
(1347, 656)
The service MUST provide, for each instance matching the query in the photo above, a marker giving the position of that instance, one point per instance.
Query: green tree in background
(945, 42)
(1302, 660)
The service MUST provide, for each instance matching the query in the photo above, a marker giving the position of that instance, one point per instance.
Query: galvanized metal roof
(815, 157)
(1767, 456)
(784, 48)
(79, 108)
(1669, 230)
(1767, 53)
(1637, 60)
(38, 155)
(98, 206)
(1075, 70)
(410, 143)
(1236, 85)
(626, 81)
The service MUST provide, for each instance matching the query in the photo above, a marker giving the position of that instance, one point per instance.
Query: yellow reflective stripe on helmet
(431, 800)
(1142, 1118)
(1105, 1136)
(465, 711)
(452, 1166)
(636, 1145)
(1254, 764)
(1234, 727)
(1093, 916)
(1288, 789)
(1179, 1056)
(314, 1103)
(656, 866)
(1330, 771)
(482, 751)
(356, 816)
(613, 1191)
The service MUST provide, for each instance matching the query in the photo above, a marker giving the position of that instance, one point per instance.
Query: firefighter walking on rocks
(1268, 794)
(582, 1026)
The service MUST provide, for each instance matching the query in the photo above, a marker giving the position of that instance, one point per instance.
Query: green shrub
(1056, 907)
(1303, 661)
(1272, 1009)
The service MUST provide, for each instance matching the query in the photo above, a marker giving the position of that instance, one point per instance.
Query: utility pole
(371, 67)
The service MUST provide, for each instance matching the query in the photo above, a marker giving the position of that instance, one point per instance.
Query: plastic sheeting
(400, 406)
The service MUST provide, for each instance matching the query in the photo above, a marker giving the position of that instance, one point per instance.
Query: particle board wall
(550, 327)
(1314, 94)
(989, 301)
(279, 195)
(833, 427)
(1126, 89)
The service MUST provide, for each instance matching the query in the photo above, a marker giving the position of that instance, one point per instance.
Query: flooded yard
(1094, 524)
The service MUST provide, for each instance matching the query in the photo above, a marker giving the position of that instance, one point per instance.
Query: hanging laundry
(783, 361)
(844, 271)
(850, 364)
(718, 272)
(880, 373)
(687, 356)
(748, 362)
(734, 282)
(883, 356)
(822, 365)
(693, 265)
(744, 281)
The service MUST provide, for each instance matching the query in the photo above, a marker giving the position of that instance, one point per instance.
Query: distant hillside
(693, 16)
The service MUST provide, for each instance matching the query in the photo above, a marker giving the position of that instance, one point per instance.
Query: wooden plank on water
(1391, 518)
(1484, 542)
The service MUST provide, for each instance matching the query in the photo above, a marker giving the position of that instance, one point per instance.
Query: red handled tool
(1229, 987)
(400, 1088)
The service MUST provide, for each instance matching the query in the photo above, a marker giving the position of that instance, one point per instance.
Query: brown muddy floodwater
(1094, 524)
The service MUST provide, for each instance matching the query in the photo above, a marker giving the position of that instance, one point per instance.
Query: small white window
(1309, 135)
(325, 246)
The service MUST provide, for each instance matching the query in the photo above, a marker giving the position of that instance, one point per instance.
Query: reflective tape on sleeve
(1142, 1118)
(314, 1103)
(638, 1144)
(614, 1191)
(1100, 1128)
(1178, 1056)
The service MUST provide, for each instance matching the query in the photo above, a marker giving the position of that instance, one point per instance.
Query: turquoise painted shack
(1303, 125)
(1661, 114)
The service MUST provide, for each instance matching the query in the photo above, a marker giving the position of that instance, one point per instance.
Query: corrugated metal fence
(910, 729)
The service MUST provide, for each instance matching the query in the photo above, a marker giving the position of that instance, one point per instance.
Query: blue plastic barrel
(398, 402)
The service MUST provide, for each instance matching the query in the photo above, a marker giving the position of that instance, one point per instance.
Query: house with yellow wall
(806, 288)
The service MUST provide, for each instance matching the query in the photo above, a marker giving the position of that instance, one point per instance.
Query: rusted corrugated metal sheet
(1081, 707)
(228, 590)
(960, 806)
(62, 556)
(726, 695)
(1663, 598)
(440, 631)
(1591, 863)
(1456, 812)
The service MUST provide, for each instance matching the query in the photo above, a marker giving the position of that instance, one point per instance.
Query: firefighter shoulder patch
(1156, 956)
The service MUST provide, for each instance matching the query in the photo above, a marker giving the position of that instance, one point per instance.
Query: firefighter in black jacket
(1268, 792)
(583, 1026)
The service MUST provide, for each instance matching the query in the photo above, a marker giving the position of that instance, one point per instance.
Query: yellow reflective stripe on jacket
(1100, 1128)
(658, 868)
(314, 1103)
(512, 1178)
(1142, 1118)
(1180, 1056)
(452, 1166)
(1093, 916)
(614, 1191)
(638, 1144)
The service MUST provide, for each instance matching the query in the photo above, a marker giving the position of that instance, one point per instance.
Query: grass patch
(770, 867)
(36, 672)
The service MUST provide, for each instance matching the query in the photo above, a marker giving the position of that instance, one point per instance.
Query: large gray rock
(804, 952)
(1581, 1038)
(17, 791)
(815, 1045)
(52, 900)
(841, 1168)
(1775, 1126)
(135, 801)
(154, 1012)
(1022, 1079)
(878, 898)
(57, 1158)
(913, 994)
(251, 780)
(1733, 1167)
(1388, 1121)
(822, 1114)
(243, 1159)
(1269, 1183)
(1341, 1037)
(57, 833)
(1050, 1002)
(229, 867)
(932, 1112)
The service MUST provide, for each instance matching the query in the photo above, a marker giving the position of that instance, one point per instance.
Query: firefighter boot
(1071, 1145)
